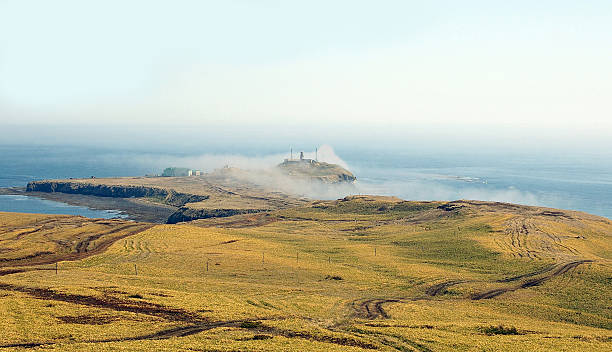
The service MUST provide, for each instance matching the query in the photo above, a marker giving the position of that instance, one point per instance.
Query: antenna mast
(291, 153)
(316, 154)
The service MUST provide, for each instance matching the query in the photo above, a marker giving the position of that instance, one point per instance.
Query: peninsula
(242, 260)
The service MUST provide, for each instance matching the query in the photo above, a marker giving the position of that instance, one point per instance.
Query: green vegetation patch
(499, 330)
(457, 250)
(250, 324)
(375, 207)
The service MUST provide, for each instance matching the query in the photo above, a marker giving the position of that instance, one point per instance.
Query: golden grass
(317, 279)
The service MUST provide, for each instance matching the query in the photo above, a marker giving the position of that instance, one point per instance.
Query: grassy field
(363, 273)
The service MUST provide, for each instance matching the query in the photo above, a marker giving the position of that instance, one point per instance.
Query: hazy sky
(435, 67)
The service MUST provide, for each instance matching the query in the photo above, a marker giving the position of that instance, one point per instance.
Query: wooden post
(263, 257)
(207, 265)
(135, 269)
(328, 260)
(297, 256)
(55, 268)
(375, 251)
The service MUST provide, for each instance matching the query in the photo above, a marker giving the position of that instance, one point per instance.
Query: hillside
(316, 170)
(355, 274)
(223, 192)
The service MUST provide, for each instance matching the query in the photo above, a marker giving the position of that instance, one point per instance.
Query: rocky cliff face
(167, 196)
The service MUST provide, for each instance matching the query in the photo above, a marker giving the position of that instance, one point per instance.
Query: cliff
(189, 198)
(166, 196)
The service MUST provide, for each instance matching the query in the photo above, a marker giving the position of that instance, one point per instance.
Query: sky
(512, 73)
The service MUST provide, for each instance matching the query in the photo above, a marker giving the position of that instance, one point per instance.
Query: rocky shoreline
(137, 209)
(166, 196)
(140, 203)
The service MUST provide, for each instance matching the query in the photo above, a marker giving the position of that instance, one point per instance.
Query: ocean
(578, 183)
(28, 204)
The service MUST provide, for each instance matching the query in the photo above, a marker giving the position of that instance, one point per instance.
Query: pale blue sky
(390, 65)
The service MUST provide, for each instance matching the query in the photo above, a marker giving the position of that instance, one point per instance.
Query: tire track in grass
(86, 247)
(195, 323)
(371, 308)
(533, 273)
(556, 271)
(441, 287)
(107, 302)
(546, 273)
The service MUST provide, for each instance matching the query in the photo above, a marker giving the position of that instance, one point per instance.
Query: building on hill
(315, 170)
(180, 171)
(300, 160)
(175, 171)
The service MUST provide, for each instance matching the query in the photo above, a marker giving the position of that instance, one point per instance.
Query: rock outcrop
(166, 196)
(317, 171)
(189, 214)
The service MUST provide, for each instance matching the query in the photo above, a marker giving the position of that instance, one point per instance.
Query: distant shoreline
(135, 209)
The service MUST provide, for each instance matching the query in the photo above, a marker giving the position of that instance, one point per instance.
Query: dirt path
(337, 340)
(195, 323)
(534, 273)
(441, 287)
(192, 329)
(535, 278)
(556, 271)
(67, 250)
(371, 308)
(108, 302)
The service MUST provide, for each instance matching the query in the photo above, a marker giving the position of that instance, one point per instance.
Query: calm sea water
(579, 182)
(27, 204)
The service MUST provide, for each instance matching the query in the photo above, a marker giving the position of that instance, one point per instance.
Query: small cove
(35, 205)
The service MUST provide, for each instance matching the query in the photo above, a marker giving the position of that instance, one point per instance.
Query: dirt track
(96, 237)
(534, 273)
(549, 274)
(542, 276)
(107, 302)
(195, 323)
(441, 287)
(371, 308)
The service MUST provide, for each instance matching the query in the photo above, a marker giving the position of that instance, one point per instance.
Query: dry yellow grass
(360, 274)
